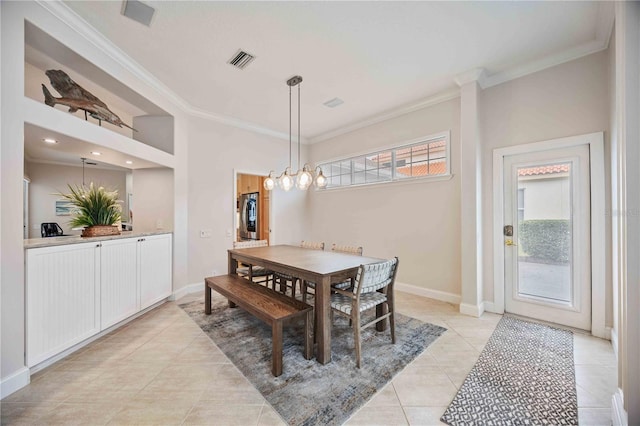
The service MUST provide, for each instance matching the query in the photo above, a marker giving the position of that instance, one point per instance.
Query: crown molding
(478, 75)
(76, 23)
(604, 26)
(424, 103)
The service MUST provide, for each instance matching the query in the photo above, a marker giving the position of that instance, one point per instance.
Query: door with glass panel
(547, 236)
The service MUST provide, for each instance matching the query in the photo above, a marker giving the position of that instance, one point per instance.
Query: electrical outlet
(205, 233)
(229, 233)
(159, 224)
(214, 273)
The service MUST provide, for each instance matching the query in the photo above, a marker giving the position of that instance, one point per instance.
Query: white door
(547, 236)
(154, 267)
(118, 280)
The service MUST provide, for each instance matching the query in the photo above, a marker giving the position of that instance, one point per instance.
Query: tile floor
(162, 369)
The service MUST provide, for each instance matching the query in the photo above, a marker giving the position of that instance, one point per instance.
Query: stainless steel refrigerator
(249, 229)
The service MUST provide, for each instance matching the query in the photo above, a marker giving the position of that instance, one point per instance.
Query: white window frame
(446, 136)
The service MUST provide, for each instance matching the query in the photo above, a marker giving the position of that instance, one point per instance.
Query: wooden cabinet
(62, 298)
(75, 291)
(154, 266)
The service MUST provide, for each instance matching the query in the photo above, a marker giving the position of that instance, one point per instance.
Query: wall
(546, 198)
(566, 100)
(50, 179)
(215, 153)
(152, 199)
(418, 221)
(154, 130)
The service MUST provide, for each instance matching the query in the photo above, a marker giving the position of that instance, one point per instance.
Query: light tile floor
(162, 369)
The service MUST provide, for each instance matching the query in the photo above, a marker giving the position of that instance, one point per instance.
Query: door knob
(509, 243)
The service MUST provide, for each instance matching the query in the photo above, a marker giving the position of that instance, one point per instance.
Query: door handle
(509, 243)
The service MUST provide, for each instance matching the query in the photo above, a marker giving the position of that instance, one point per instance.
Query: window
(426, 158)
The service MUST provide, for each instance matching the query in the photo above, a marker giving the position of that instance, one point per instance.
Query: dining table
(317, 266)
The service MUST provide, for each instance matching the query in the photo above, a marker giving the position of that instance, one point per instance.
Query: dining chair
(373, 286)
(249, 271)
(357, 250)
(284, 279)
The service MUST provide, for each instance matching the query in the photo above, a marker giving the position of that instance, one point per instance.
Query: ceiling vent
(138, 11)
(241, 59)
(333, 103)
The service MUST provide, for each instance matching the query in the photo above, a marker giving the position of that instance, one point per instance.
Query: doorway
(253, 205)
(549, 231)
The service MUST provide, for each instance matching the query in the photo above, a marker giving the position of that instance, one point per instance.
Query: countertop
(77, 239)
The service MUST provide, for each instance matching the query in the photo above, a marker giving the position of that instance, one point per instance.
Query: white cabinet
(154, 265)
(75, 291)
(118, 280)
(62, 298)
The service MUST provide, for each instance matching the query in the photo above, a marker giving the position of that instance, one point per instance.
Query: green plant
(93, 206)
(547, 240)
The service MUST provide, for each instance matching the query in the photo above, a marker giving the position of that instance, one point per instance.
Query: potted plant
(95, 209)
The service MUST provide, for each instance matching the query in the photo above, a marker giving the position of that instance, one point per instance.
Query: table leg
(207, 299)
(323, 319)
(232, 267)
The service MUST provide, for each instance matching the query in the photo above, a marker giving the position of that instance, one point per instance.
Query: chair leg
(356, 335)
(392, 317)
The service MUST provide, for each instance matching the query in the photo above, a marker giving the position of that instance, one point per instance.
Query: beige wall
(50, 179)
(566, 100)
(215, 152)
(418, 222)
(152, 204)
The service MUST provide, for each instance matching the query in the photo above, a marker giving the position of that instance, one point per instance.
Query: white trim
(490, 307)
(477, 74)
(443, 296)
(472, 310)
(596, 154)
(17, 380)
(574, 53)
(186, 290)
(614, 341)
(393, 113)
(618, 414)
(604, 26)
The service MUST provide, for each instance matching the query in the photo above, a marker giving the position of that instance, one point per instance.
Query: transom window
(427, 158)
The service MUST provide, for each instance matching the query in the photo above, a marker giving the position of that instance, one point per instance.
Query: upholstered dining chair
(373, 286)
(357, 250)
(284, 279)
(256, 274)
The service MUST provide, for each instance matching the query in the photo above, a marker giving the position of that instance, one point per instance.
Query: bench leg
(207, 299)
(308, 340)
(276, 354)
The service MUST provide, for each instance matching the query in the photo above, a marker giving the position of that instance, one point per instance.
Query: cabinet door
(155, 269)
(62, 298)
(118, 281)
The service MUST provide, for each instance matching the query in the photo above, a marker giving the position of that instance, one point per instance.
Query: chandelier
(305, 176)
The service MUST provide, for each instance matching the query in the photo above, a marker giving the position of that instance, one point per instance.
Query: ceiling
(376, 56)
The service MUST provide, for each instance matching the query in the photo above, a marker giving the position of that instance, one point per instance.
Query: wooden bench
(265, 304)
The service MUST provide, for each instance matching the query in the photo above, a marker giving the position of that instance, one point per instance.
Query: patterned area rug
(308, 393)
(525, 376)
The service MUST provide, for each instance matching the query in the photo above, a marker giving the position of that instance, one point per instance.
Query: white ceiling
(376, 56)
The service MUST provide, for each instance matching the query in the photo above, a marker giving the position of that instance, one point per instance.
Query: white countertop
(77, 239)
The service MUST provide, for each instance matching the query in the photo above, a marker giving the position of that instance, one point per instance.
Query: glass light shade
(286, 181)
(321, 180)
(304, 179)
(269, 183)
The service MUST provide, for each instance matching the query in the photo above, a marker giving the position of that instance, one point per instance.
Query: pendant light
(304, 177)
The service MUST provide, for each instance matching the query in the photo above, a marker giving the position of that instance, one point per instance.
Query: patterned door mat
(525, 376)
(309, 393)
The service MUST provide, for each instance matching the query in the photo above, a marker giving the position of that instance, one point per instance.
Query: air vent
(241, 59)
(138, 11)
(333, 103)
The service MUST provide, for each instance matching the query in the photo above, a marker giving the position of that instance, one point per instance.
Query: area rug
(307, 392)
(525, 376)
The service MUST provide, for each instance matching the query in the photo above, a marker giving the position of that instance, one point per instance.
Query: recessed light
(49, 140)
(333, 102)
(129, 162)
(96, 153)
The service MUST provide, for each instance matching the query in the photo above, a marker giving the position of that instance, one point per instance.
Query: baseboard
(427, 292)
(472, 310)
(186, 290)
(614, 341)
(618, 414)
(14, 382)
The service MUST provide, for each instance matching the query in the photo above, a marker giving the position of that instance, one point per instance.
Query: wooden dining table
(318, 266)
